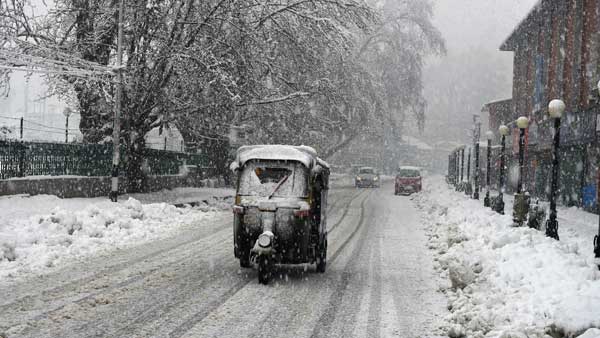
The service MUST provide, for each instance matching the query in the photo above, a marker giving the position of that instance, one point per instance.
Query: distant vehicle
(367, 177)
(408, 180)
(280, 207)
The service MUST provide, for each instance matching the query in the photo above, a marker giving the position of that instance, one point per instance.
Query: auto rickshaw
(280, 207)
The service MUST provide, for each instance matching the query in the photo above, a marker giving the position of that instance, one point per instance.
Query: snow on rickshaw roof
(303, 154)
(407, 167)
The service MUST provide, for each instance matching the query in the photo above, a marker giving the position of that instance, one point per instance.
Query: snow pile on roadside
(506, 281)
(35, 243)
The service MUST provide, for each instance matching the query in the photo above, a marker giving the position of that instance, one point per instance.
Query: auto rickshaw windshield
(273, 179)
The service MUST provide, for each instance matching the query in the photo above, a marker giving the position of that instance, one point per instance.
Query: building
(168, 138)
(557, 55)
(498, 112)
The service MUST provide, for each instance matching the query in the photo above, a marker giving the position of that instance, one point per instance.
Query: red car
(408, 180)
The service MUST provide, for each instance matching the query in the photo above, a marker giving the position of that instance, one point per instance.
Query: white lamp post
(521, 203)
(556, 108)
(489, 136)
(499, 206)
(522, 124)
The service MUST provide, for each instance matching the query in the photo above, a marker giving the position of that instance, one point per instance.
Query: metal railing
(20, 159)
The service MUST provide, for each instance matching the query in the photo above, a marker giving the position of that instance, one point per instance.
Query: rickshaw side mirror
(234, 166)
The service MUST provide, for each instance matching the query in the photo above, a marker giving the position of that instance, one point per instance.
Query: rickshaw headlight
(264, 241)
(358, 178)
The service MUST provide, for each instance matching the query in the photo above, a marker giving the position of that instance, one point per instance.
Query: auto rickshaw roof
(303, 154)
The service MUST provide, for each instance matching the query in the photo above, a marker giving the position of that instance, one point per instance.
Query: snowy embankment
(38, 233)
(506, 281)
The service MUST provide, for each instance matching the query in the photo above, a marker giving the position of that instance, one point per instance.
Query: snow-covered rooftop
(407, 167)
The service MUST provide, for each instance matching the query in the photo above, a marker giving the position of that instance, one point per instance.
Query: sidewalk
(511, 282)
(41, 232)
(575, 225)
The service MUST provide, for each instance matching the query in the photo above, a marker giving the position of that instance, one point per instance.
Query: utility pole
(67, 112)
(114, 192)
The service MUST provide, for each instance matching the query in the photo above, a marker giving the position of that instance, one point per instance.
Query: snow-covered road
(379, 283)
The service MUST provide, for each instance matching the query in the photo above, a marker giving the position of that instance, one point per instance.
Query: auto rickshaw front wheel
(245, 260)
(244, 256)
(264, 269)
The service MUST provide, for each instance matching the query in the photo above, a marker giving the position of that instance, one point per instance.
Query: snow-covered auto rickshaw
(280, 207)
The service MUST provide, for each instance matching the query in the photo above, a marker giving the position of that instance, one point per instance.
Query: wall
(68, 187)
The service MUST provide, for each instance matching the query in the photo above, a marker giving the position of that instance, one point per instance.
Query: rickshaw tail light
(238, 209)
(302, 213)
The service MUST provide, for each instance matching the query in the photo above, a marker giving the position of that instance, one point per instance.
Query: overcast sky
(479, 23)
(474, 72)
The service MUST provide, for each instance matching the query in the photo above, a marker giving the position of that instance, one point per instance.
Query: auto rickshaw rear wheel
(322, 257)
(264, 269)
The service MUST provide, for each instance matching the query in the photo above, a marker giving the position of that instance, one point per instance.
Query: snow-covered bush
(34, 243)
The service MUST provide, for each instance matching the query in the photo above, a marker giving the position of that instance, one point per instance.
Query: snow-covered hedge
(506, 281)
(34, 243)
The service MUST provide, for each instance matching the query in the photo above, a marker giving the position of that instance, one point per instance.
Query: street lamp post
(462, 164)
(461, 157)
(476, 172)
(457, 167)
(597, 237)
(468, 189)
(522, 124)
(499, 205)
(489, 135)
(521, 203)
(556, 108)
(67, 112)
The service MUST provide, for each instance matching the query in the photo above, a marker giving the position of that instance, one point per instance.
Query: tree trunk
(94, 112)
(136, 179)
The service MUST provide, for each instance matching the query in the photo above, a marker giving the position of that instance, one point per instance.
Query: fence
(19, 159)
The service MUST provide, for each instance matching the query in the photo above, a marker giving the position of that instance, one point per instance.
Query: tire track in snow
(161, 306)
(330, 230)
(83, 297)
(373, 328)
(110, 270)
(325, 321)
(198, 317)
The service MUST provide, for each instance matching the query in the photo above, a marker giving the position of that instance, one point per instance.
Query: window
(409, 173)
(367, 171)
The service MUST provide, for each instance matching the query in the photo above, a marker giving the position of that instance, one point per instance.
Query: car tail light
(302, 213)
(238, 210)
